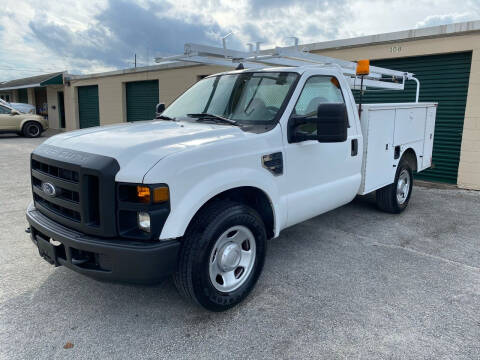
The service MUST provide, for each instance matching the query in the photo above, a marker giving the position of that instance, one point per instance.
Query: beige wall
(406, 48)
(31, 96)
(469, 168)
(52, 100)
(111, 91)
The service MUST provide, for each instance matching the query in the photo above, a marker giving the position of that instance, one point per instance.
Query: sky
(84, 37)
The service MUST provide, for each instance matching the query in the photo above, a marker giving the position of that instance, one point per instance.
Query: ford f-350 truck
(236, 159)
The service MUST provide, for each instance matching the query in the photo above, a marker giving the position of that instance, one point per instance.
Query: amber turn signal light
(161, 194)
(156, 195)
(143, 194)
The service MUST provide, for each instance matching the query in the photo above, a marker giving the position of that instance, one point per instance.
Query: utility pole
(135, 60)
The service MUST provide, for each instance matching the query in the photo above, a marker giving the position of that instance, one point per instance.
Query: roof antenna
(240, 67)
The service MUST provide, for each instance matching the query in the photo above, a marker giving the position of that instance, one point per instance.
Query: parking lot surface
(353, 283)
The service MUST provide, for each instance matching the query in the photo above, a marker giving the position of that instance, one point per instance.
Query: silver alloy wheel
(403, 186)
(232, 258)
(33, 130)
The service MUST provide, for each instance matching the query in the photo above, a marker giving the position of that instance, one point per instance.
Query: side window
(321, 89)
(4, 110)
(318, 90)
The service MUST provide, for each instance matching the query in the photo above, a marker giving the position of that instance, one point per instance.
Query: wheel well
(410, 156)
(253, 197)
(31, 121)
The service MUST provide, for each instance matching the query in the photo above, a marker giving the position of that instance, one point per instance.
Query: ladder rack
(379, 78)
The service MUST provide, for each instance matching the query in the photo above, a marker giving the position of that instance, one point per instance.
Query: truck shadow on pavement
(9, 136)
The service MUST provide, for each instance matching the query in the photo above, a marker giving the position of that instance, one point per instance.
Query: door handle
(354, 147)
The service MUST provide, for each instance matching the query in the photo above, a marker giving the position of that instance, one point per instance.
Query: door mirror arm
(295, 135)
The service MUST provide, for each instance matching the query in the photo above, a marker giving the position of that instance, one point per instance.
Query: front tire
(222, 255)
(394, 198)
(32, 129)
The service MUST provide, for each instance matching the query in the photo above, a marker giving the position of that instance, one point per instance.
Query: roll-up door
(22, 96)
(88, 112)
(444, 79)
(142, 97)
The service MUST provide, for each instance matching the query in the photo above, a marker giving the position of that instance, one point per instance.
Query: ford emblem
(49, 189)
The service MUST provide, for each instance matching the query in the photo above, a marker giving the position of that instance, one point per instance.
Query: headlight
(143, 220)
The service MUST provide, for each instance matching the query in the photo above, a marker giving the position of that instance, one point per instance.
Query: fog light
(144, 221)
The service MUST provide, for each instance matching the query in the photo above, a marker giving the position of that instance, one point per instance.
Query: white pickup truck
(236, 159)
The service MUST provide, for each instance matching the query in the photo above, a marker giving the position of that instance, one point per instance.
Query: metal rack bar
(380, 78)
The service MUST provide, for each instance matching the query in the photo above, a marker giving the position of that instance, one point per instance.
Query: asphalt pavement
(352, 283)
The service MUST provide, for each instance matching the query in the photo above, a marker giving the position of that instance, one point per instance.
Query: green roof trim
(56, 80)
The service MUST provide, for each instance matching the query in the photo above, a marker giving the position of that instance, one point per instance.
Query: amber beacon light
(363, 67)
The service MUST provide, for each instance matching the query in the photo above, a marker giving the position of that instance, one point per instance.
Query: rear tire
(32, 129)
(222, 255)
(394, 198)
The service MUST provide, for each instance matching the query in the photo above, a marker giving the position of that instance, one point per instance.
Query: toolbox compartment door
(409, 125)
(378, 126)
(429, 137)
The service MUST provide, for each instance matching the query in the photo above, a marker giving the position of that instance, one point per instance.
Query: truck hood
(139, 146)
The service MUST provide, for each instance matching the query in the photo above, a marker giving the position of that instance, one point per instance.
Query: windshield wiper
(216, 118)
(163, 117)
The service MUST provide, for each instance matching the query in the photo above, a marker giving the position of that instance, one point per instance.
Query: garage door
(88, 106)
(444, 79)
(142, 97)
(23, 96)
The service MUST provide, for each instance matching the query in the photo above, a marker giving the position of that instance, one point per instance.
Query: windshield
(251, 98)
(23, 108)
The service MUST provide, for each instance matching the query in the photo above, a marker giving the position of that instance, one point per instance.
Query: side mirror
(329, 125)
(14, 112)
(160, 108)
(332, 123)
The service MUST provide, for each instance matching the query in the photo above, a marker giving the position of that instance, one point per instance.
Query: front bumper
(103, 259)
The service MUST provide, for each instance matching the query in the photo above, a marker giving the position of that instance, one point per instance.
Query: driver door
(320, 176)
(7, 120)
